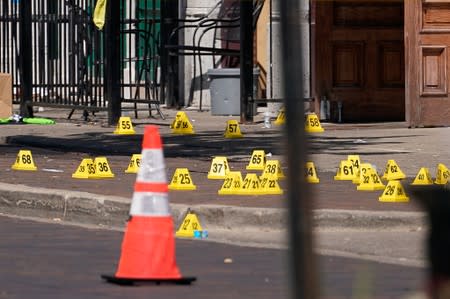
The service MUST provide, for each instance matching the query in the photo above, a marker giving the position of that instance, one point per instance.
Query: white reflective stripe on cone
(152, 167)
(150, 204)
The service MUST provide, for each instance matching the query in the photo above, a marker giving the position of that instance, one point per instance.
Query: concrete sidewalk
(54, 194)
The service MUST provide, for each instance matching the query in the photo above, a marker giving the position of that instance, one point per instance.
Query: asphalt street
(54, 260)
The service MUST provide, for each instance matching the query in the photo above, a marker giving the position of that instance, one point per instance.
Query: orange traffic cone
(148, 246)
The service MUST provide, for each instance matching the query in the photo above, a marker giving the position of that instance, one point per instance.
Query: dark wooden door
(427, 28)
(359, 58)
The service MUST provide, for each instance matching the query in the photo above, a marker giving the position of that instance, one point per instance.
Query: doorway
(360, 59)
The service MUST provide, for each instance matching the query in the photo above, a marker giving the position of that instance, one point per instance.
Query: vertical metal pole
(182, 100)
(303, 266)
(163, 32)
(25, 59)
(275, 76)
(270, 49)
(112, 61)
(169, 89)
(71, 44)
(246, 60)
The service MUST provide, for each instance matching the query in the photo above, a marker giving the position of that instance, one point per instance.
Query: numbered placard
(91, 169)
(135, 163)
(273, 169)
(182, 180)
(312, 124)
(393, 171)
(219, 168)
(423, 177)
(257, 160)
(251, 185)
(177, 122)
(311, 173)
(85, 169)
(124, 126)
(24, 161)
(231, 184)
(346, 171)
(394, 192)
(182, 124)
(442, 174)
(270, 186)
(363, 167)
(101, 169)
(189, 225)
(356, 161)
(370, 181)
(232, 130)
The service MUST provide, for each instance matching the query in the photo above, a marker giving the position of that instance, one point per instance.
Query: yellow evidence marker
(219, 168)
(251, 185)
(232, 184)
(232, 130)
(257, 160)
(24, 161)
(102, 169)
(189, 225)
(270, 186)
(281, 117)
(393, 171)
(124, 126)
(312, 124)
(272, 169)
(370, 181)
(182, 180)
(442, 174)
(423, 177)
(135, 162)
(182, 125)
(346, 171)
(311, 173)
(394, 192)
(85, 169)
(356, 161)
(363, 167)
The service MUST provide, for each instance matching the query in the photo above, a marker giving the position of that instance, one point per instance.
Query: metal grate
(68, 53)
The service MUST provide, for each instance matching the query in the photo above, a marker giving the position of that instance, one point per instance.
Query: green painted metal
(148, 14)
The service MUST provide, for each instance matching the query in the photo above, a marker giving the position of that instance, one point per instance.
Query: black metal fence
(57, 56)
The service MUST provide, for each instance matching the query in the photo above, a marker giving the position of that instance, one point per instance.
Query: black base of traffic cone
(158, 281)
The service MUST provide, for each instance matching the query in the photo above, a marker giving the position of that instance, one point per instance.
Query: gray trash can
(225, 90)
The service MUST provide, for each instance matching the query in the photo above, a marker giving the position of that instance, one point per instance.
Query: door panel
(427, 26)
(433, 71)
(360, 58)
(392, 65)
(435, 16)
(347, 67)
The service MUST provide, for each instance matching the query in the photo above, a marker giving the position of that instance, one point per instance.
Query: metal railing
(57, 57)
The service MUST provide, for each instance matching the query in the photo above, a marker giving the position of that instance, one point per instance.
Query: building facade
(378, 61)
